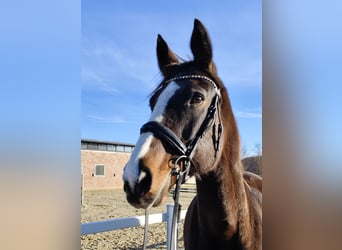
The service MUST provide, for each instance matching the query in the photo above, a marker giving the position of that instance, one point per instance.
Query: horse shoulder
(253, 180)
(253, 185)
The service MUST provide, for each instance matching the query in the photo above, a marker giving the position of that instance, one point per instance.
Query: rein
(172, 143)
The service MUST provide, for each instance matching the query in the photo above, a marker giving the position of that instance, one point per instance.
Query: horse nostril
(144, 181)
(143, 186)
(126, 187)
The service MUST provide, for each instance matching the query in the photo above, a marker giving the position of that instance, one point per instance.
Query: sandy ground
(110, 204)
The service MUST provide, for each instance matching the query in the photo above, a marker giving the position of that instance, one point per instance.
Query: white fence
(115, 224)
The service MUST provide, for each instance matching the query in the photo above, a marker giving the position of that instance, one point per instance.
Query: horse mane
(240, 183)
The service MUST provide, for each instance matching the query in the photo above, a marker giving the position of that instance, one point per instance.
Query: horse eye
(197, 98)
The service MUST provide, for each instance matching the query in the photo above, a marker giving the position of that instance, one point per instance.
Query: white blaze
(163, 99)
(131, 172)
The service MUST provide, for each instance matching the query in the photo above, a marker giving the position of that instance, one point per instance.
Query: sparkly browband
(194, 77)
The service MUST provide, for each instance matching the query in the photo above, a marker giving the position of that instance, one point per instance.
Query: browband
(194, 77)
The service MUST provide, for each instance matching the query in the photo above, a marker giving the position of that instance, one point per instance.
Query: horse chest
(205, 231)
(210, 225)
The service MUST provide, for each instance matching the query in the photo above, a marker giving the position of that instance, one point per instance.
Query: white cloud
(107, 119)
(89, 75)
(250, 115)
(92, 78)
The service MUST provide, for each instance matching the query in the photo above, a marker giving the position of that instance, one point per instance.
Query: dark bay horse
(192, 116)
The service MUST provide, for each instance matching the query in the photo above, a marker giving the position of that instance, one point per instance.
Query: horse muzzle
(137, 193)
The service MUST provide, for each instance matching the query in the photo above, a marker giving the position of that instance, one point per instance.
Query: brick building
(102, 163)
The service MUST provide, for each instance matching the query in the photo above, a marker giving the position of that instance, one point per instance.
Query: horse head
(185, 120)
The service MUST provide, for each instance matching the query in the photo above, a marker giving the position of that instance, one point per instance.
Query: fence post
(169, 213)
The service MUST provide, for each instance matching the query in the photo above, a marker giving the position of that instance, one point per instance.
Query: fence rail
(121, 223)
(134, 221)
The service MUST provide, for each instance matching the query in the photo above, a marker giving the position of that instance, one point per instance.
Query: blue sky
(119, 67)
(40, 90)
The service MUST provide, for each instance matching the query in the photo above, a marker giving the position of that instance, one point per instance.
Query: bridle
(184, 152)
(168, 137)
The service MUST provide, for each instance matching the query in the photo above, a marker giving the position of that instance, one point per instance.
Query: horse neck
(222, 198)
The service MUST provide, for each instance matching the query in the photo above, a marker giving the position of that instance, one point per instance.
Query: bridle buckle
(181, 168)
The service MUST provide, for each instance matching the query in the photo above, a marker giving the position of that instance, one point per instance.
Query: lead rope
(182, 176)
(146, 229)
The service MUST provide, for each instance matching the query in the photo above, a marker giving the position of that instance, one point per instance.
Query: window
(84, 145)
(99, 170)
(102, 147)
(92, 146)
(111, 147)
(128, 149)
(120, 148)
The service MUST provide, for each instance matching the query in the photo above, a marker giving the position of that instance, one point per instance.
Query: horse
(191, 117)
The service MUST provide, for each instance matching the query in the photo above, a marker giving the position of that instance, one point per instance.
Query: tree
(258, 151)
(244, 152)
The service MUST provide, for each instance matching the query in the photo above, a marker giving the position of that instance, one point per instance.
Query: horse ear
(165, 56)
(201, 45)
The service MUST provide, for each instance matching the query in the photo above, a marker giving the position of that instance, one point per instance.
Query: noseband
(172, 143)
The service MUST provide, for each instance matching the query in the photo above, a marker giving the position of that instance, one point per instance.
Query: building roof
(107, 142)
